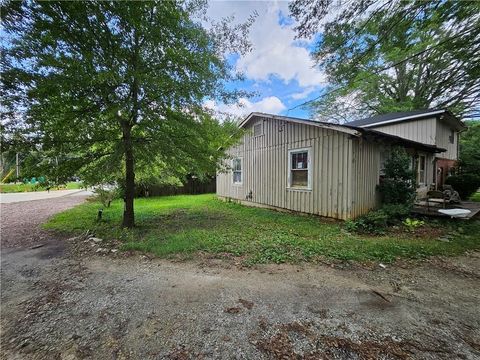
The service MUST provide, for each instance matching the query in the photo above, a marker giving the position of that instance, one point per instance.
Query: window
(299, 169)
(451, 138)
(258, 129)
(421, 169)
(384, 155)
(237, 170)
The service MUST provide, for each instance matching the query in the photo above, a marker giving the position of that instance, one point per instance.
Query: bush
(376, 222)
(398, 183)
(106, 196)
(412, 224)
(396, 212)
(465, 184)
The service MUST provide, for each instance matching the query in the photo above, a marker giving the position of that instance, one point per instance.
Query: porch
(431, 209)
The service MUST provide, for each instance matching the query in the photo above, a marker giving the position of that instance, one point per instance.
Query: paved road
(40, 195)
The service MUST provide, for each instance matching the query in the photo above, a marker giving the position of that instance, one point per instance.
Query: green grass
(13, 188)
(168, 226)
(475, 197)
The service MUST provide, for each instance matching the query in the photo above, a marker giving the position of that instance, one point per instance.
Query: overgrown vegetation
(467, 179)
(397, 190)
(398, 183)
(465, 184)
(183, 225)
(475, 197)
(106, 195)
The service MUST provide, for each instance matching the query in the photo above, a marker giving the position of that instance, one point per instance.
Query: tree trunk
(128, 212)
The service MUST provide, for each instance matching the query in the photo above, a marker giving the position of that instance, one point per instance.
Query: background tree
(388, 55)
(117, 87)
(467, 179)
(469, 158)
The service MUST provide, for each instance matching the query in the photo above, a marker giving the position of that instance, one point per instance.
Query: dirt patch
(66, 300)
(20, 222)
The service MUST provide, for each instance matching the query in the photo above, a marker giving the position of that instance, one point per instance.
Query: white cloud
(302, 94)
(276, 52)
(271, 105)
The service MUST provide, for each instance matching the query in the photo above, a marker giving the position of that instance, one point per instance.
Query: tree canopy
(115, 88)
(469, 159)
(388, 55)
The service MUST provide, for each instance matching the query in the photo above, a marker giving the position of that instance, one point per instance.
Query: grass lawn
(12, 188)
(475, 197)
(172, 225)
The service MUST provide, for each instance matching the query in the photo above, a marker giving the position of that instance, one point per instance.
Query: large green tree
(115, 88)
(389, 55)
(469, 158)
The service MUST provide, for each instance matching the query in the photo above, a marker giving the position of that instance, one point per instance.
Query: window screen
(299, 169)
(237, 170)
(421, 169)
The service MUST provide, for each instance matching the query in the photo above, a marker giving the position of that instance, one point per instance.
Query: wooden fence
(192, 186)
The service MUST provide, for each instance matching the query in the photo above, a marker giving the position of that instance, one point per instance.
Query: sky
(279, 69)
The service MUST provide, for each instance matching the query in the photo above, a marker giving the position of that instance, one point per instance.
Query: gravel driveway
(65, 300)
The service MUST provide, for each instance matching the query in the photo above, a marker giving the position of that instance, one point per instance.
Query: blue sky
(279, 68)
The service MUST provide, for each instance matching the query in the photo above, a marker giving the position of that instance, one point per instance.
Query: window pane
(257, 130)
(237, 177)
(237, 165)
(422, 162)
(421, 177)
(300, 160)
(300, 178)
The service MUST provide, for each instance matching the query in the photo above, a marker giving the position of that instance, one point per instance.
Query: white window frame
(261, 127)
(241, 171)
(309, 169)
(424, 169)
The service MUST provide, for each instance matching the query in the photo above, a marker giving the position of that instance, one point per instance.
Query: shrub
(412, 224)
(106, 196)
(396, 212)
(398, 183)
(376, 222)
(373, 222)
(465, 184)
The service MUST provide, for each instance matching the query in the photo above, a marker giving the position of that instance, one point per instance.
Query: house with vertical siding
(434, 127)
(317, 167)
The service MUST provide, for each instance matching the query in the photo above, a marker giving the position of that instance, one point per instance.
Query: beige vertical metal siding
(265, 169)
(366, 173)
(423, 131)
(443, 132)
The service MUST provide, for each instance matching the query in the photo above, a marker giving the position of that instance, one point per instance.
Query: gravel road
(65, 300)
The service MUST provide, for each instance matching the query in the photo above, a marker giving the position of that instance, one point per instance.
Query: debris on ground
(246, 304)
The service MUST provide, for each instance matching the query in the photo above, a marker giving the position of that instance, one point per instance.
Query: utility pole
(17, 160)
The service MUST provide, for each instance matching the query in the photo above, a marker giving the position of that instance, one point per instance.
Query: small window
(237, 170)
(299, 169)
(258, 129)
(383, 159)
(451, 138)
(421, 169)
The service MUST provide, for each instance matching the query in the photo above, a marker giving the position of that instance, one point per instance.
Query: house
(434, 127)
(316, 167)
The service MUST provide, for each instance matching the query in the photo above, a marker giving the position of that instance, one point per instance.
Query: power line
(384, 68)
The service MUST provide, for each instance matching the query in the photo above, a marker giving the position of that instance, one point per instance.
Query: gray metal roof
(396, 117)
(351, 129)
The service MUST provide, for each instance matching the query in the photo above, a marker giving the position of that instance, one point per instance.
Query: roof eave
(404, 118)
(324, 125)
(393, 139)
